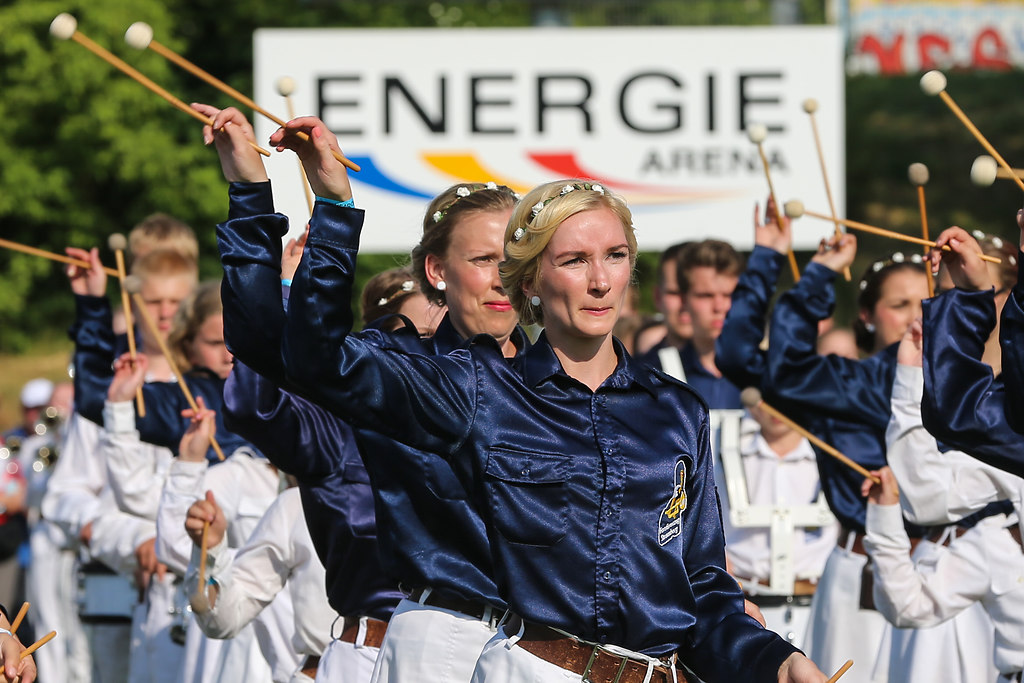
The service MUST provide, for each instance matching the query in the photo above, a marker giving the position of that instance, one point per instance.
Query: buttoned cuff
(218, 559)
(335, 225)
(884, 525)
(119, 417)
(908, 384)
(184, 477)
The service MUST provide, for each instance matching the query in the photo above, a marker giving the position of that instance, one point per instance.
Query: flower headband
(539, 206)
(407, 287)
(896, 258)
(464, 191)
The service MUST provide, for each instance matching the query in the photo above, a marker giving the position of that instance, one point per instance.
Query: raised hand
(128, 377)
(202, 512)
(232, 133)
(196, 440)
(775, 232)
(963, 260)
(91, 281)
(327, 176)
(836, 253)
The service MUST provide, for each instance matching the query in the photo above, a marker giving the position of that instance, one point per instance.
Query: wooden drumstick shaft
(202, 557)
(778, 214)
(819, 443)
(864, 227)
(302, 169)
(136, 75)
(126, 306)
(38, 644)
(169, 54)
(151, 324)
(32, 251)
(843, 669)
(924, 234)
(19, 617)
(953, 107)
(828, 186)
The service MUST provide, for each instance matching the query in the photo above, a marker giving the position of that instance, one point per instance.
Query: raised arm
(1011, 343)
(738, 352)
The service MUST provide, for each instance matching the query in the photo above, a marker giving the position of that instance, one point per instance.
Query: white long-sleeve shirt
(278, 556)
(937, 488)
(136, 470)
(72, 496)
(984, 565)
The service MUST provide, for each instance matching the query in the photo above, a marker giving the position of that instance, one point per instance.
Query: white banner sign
(657, 115)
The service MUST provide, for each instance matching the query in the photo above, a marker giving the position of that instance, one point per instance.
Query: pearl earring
(869, 327)
(535, 300)
(441, 285)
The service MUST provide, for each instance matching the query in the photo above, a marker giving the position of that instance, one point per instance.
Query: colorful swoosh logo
(467, 167)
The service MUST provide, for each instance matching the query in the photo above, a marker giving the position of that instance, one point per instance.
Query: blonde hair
(161, 231)
(203, 302)
(534, 222)
(165, 263)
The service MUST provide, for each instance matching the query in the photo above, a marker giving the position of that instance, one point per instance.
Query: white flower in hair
(915, 258)
(382, 301)
(492, 185)
(517, 196)
(997, 242)
(437, 216)
(897, 257)
(537, 208)
(407, 286)
(518, 234)
(876, 266)
(597, 188)
(977, 234)
(863, 284)
(463, 191)
(566, 190)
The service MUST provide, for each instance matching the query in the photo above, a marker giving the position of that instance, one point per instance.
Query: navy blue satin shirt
(844, 402)
(963, 404)
(738, 352)
(95, 352)
(717, 392)
(429, 533)
(601, 509)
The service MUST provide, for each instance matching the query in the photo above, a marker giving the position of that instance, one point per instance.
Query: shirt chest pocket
(528, 495)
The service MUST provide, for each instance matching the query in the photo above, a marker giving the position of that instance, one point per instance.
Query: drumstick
(934, 83)
(64, 26)
(1001, 173)
(19, 617)
(38, 644)
(811, 106)
(151, 324)
(200, 601)
(286, 86)
(843, 669)
(918, 174)
(140, 36)
(757, 132)
(751, 398)
(795, 209)
(32, 251)
(118, 243)
(985, 170)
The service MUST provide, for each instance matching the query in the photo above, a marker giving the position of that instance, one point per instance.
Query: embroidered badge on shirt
(671, 523)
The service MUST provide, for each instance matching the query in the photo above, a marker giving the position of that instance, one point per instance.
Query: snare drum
(104, 596)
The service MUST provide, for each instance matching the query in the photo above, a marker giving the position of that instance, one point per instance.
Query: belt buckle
(590, 663)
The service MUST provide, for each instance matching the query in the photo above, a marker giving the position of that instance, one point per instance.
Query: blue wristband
(286, 281)
(348, 203)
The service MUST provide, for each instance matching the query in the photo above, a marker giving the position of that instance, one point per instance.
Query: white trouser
(51, 584)
(841, 630)
(425, 644)
(346, 663)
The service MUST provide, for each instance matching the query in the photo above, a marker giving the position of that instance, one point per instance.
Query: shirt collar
(759, 447)
(540, 363)
(446, 338)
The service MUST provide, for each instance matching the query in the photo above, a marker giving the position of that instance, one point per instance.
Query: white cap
(36, 393)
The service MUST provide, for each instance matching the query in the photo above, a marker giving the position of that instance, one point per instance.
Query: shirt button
(607, 576)
(526, 471)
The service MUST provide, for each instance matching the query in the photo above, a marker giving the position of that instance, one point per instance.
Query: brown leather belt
(589, 661)
(375, 629)
(309, 666)
(471, 608)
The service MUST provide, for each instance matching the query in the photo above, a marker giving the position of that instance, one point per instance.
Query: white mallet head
(794, 208)
(750, 397)
(63, 26)
(918, 174)
(133, 284)
(933, 82)
(810, 105)
(117, 242)
(285, 86)
(983, 171)
(757, 132)
(139, 35)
